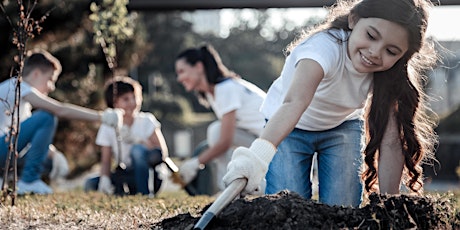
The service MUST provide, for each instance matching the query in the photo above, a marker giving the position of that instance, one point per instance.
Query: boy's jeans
(136, 176)
(38, 130)
(142, 160)
(339, 164)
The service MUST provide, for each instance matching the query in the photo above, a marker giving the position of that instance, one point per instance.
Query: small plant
(23, 30)
(112, 26)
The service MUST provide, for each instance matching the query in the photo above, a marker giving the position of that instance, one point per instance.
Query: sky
(443, 21)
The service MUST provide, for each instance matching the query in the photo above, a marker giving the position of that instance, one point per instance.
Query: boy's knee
(46, 117)
(155, 158)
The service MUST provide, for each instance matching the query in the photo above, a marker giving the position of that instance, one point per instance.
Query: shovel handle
(227, 196)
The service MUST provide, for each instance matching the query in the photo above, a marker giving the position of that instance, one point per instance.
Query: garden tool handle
(227, 196)
(177, 178)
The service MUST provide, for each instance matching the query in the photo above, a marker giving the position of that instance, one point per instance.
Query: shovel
(227, 196)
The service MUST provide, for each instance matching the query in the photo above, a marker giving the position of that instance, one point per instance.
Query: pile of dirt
(287, 210)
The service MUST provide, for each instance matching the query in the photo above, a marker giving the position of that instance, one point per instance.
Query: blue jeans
(136, 176)
(339, 164)
(38, 130)
(142, 159)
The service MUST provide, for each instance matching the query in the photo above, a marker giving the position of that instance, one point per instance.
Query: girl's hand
(251, 163)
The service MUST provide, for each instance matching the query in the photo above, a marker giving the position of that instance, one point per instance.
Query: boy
(140, 138)
(40, 73)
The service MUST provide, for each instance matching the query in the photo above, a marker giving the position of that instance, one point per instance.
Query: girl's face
(192, 77)
(376, 44)
(127, 102)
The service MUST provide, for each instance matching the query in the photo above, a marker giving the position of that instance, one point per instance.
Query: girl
(235, 102)
(367, 59)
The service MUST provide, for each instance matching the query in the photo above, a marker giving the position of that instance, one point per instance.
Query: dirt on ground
(287, 210)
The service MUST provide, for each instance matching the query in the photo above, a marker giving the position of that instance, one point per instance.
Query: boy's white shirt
(242, 96)
(143, 127)
(341, 94)
(7, 97)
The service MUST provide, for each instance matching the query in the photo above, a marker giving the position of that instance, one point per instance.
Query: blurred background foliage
(148, 56)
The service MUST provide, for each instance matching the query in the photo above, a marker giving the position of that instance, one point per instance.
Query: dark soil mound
(287, 210)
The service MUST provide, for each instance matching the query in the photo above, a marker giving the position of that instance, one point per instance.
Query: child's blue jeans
(38, 130)
(339, 164)
(136, 176)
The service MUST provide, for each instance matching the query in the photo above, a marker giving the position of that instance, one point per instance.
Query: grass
(79, 210)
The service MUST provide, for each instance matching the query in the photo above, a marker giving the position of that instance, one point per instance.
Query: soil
(287, 210)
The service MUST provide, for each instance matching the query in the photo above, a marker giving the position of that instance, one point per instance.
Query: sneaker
(35, 187)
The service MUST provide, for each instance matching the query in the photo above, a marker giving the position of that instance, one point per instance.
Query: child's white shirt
(143, 126)
(341, 94)
(7, 97)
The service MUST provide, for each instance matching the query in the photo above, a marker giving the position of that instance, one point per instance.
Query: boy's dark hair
(123, 85)
(42, 60)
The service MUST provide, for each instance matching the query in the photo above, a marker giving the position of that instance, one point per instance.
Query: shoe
(34, 187)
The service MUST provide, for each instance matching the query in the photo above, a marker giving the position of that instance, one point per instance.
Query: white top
(7, 96)
(242, 96)
(142, 128)
(342, 92)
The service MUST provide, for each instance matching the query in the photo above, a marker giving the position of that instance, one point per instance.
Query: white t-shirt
(7, 96)
(142, 128)
(342, 92)
(242, 96)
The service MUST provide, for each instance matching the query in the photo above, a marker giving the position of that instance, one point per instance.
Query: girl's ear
(199, 68)
(199, 65)
(352, 20)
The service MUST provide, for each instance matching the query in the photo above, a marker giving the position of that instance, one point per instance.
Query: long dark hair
(214, 68)
(399, 89)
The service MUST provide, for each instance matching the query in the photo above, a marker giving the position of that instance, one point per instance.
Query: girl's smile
(376, 44)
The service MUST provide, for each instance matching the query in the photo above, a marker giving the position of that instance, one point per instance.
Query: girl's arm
(64, 110)
(106, 160)
(391, 159)
(252, 163)
(307, 77)
(227, 130)
(157, 140)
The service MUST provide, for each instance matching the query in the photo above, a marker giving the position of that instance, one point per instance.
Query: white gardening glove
(251, 163)
(113, 117)
(105, 185)
(60, 166)
(189, 169)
